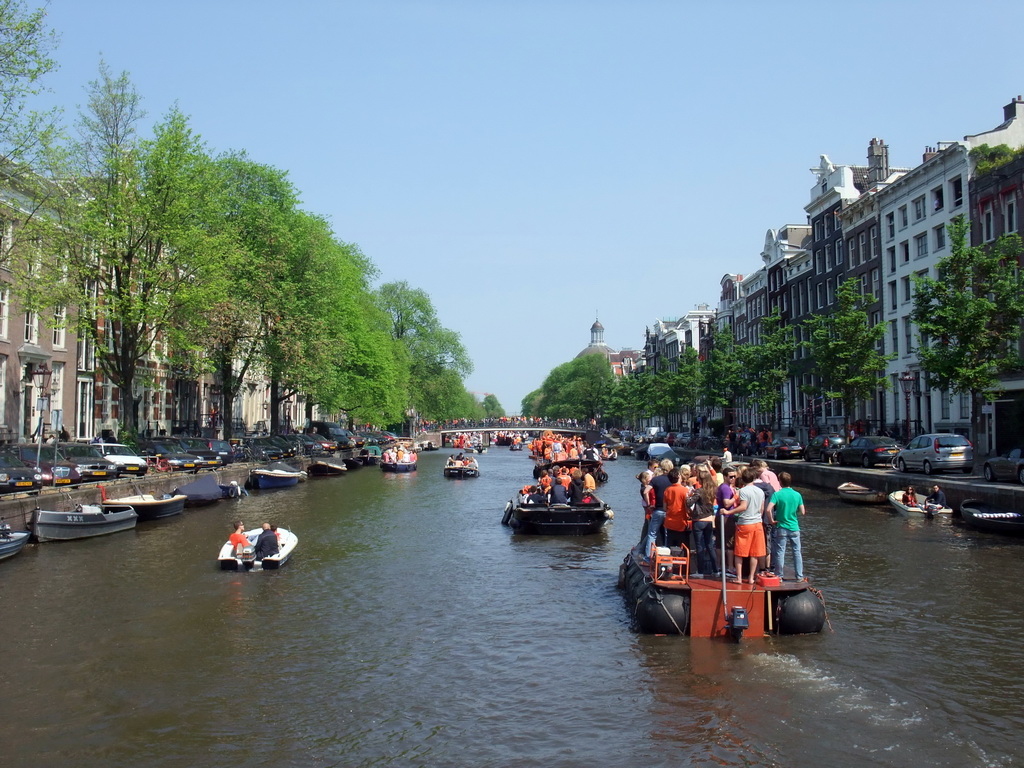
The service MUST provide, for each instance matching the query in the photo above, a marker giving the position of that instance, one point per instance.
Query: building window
(890, 226)
(965, 405)
(921, 245)
(892, 295)
(5, 310)
(830, 293)
(944, 404)
(956, 191)
(937, 199)
(839, 252)
(940, 238)
(908, 335)
(876, 282)
(905, 251)
(828, 257)
(3, 387)
(1010, 214)
(918, 208)
(59, 327)
(892, 259)
(819, 264)
(906, 288)
(862, 247)
(817, 230)
(851, 248)
(987, 223)
(820, 295)
(903, 216)
(874, 242)
(894, 335)
(31, 328)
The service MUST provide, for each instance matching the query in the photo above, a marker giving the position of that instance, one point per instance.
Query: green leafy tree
(845, 345)
(725, 376)
(578, 389)
(769, 361)
(969, 319)
(629, 400)
(492, 407)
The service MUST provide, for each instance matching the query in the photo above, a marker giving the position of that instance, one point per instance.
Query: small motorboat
(398, 466)
(558, 519)
(12, 542)
(983, 516)
(149, 507)
(245, 559)
(896, 499)
(277, 474)
(326, 467)
(860, 494)
(462, 470)
(82, 522)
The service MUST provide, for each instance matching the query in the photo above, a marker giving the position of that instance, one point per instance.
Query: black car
(52, 466)
(15, 476)
(304, 445)
(784, 448)
(868, 450)
(169, 454)
(287, 449)
(200, 447)
(261, 449)
(824, 448)
(90, 461)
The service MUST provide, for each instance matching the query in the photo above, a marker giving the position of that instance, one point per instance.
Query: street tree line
(153, 247)
(968, 322)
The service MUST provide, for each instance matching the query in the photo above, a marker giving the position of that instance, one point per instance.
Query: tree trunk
(275, 406)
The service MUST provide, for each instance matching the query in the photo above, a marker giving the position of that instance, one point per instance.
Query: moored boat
(983, 516)
(82, 522)
(558, 519)
(275, 475)
(326, 467)
(896, 499)
(12, 542)
(246, 558)
(149, 507)
(860, 494)
(206, 490)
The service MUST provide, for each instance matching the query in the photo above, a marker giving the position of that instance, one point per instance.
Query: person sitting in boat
(536, 497)
(238, 539)
(558, 494)
(909, 497)
(936, 500)
(544, 481)
(589, 483)
(266, 544)
(576, 488)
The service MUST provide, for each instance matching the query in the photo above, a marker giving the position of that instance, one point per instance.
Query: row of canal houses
(81, 402)
(882, 225)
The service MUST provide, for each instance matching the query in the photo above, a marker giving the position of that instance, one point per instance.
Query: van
(333, 431)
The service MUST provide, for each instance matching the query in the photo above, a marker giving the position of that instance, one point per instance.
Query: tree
(845, 348)
(770, 361)
(492, 408)
(578, 389)
(969, 318)
(724, 374)
(135, 221)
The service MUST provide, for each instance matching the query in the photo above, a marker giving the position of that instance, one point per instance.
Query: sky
(534, 166)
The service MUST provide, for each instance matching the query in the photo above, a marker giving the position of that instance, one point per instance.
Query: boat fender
(609, 514)
(602, 477)
(507, 515)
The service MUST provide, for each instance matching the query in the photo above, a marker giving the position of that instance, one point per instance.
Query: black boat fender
(801, 613)
(602, 476)
(508, 514)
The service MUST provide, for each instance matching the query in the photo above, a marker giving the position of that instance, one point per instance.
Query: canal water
(411, 629)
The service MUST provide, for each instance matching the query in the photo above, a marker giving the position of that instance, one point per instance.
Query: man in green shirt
(784, 512)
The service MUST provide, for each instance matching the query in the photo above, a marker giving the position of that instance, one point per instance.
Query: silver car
(936, 453)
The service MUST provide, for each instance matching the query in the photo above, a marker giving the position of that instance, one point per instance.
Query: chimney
(1014, 109)
(929, 153)
(878, 161)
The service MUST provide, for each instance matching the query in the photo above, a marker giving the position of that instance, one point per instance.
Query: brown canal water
(411, 628)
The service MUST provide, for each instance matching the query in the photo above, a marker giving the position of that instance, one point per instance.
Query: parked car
(200, 447)
(170, 454)
(824, 448)
(287, 449)
(304, 445)
(784, 448)
(128, 459)
(223, 449)
(262, 449)
(15, 476)
(868, 450)
(90, 461)
(937, 452)
(52, 466)
(1008, 466)
(333, 430)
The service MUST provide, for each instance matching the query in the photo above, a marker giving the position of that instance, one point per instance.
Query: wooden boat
(664, 598)
(859, 494)
(12, 542)
(149, 507)
(326, 467)
(245, 560)
(983, 516)
(398, 466)
(277, 474)
(82, 522)
(558, 519)
(895, 498)
(462, 470)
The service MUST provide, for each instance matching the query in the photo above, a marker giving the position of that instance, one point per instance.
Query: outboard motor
(247, 555)
(738, 622)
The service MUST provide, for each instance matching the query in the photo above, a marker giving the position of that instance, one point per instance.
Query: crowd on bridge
(505, 422)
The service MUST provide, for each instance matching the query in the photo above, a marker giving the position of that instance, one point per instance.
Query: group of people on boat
(551, 446)
(755, 510)
(565, 486)
(399, 455)
(933, 502)
(461, 460)
(267, 543)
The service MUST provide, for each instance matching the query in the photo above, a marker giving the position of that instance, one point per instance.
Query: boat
(558, 519)
(206, 490)
(367, 458)
(245, 560)
(593, 466)
(983, 516)
(326, 467)
(895, 498)
(398, 466)
(149, 507)
(664, 598)
(82, 522)
(859, 494)
(12, 542)
(462, 470)
(277, 474)
(516, 447)
(352, 462)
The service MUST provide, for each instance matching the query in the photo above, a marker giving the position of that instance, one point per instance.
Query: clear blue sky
(532, 165)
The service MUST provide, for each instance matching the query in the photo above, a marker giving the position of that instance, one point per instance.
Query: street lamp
(907, 381)
(41, 378)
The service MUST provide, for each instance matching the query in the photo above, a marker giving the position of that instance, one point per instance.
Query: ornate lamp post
(41, 378)
(907, 381)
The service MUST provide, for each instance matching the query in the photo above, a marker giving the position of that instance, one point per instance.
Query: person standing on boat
(936, 500)
(657, 522)
(677, 518)
(238, 539)
(750, 543)
(727, 498)
(784, 512)
(701, 504)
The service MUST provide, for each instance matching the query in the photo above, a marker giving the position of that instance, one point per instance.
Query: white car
(128, 459)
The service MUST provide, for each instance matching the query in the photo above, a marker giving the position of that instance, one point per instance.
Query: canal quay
(412, 629)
